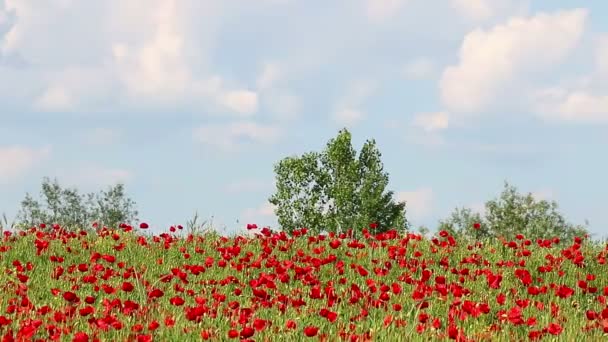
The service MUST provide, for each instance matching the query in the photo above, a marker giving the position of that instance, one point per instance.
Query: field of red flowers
(120, 285)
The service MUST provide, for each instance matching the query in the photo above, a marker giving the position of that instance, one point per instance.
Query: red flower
(87, 310)
(70, 297)
(555, 329)
(143, 225)
(156, 293)
(153, 325)
(247, 332)
(80, 337)
(290, 324)
(251, 226)
(177, 301)
(564, 291)
(494, 280)
(311, 331)
(476, 225)
(127, 286)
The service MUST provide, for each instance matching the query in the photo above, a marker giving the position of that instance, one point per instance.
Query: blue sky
(190, 103)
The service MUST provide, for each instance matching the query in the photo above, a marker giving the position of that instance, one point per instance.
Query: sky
(190, 103)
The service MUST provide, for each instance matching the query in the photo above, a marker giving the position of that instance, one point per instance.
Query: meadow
(124, 284)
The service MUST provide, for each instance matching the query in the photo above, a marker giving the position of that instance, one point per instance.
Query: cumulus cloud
(381, 10)
(231, 136)
(581, 106)
(348, 116)
(281, 102)
(17, 160)
(577, 101)
(347, 110)
(491, 60)
(265, 209)
(483, 10)
(271, 73)
(602, 55)
(544, 194)
(263, 215)
(55, 98)
(419, 203)
(138, 54)
(432, 122)
(240, 101)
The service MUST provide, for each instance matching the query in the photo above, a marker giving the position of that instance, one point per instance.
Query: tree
(511, 214)
(335, 190)
(463, 222)
(71, 210)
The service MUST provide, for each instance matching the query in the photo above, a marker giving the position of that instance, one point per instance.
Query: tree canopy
(72, 210)
(510, 214)
(336, 189)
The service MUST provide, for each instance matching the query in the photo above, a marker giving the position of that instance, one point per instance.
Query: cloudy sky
(191, 102)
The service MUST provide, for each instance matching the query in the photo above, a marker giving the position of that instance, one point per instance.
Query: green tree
(72, 210)
(462, 223)
(513, 213)
(335, 190)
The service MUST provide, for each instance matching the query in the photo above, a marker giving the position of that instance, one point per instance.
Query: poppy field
(125, 285)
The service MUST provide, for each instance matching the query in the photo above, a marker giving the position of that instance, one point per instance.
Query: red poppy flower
(311, 331)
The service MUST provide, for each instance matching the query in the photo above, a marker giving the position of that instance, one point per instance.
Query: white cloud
(265, 209)
(347, 110)
(54, 99)
(602, 55)
(491, 60)
(432, 122)
(123, 55)
(271, 73)
(483, 10)
(419, 203)
(262, 215)
(381, 10)
(281, 102)
(233, 135)
(72, 88)
(543, 194)
(240, 101)
(157, 58)
(571, 105)
(348, 116)
(419, 68)
(17, 160)
(584, 107)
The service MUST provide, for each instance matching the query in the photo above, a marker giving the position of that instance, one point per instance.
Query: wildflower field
(122, 285)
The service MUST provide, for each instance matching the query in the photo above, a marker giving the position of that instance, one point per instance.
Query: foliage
(70, 209)
(335, 190)
(511, 214)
